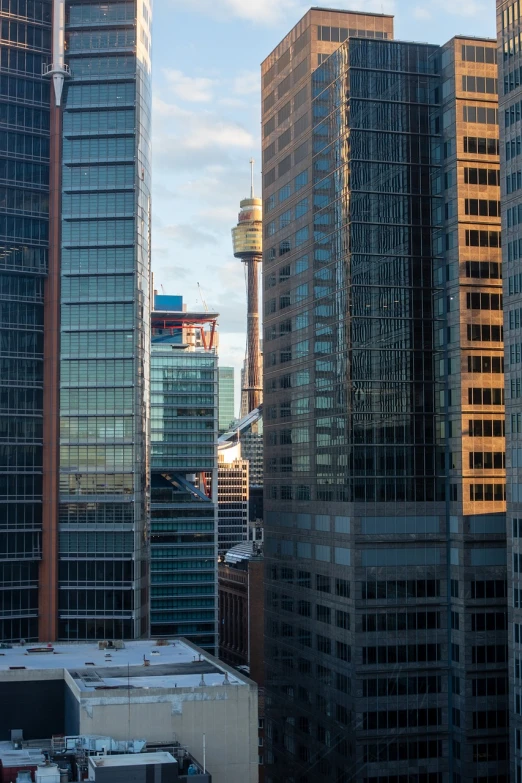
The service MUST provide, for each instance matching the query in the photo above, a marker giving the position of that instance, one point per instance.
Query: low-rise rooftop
(136, 664)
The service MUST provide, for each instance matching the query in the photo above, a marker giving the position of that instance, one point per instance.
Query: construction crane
(202, 298)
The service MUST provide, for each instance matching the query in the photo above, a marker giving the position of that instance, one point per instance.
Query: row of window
(515, 284)
(513, 147)
(400, 621)
(513, 114)
(392, 590)
(12, 59)
(512, 79)
(26, 35)
(481, 176)
(479, 145)
(487, 428)
(513, 182)
(485, 333)
(100, 39)
(476, 238)
(482, 396)
(487, 460)
(28, 90)
(486, 364)
(480, 83)
(484, 269)
(480, 114)
(479, 301)
(482, 207)
(394, 719)
(402, 751)
(284, 220)
(479, 54)
(402, 686)
(487, 492)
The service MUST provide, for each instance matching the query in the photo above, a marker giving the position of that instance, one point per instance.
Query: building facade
(184, 421)
(24, 238)
(383, 407)
(75, 342)
(509, 30)
(104, 323)
(233, 496)
(226, 398)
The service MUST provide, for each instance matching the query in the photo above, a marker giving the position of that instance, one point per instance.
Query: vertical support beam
(48, 586)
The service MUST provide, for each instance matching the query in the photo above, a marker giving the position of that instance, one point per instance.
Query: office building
(241, 609)
(383, 407)
(104, 269)
(76, 209)
(509, 29)
(129, 697)
(233, 496)
(24, 231)
(184, 420)
(226, 398)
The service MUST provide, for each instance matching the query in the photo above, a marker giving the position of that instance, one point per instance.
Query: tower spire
(251, 177)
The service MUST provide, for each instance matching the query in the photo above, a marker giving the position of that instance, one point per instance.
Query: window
(479, 84)
(479, 114)
(323, 613)
(487, 460)
(481, 176)
(342, 588)
(482, 207)
(489, 588)
(486, 364)
(479, 145)
(487, 428)
(481, 396)
(485, 333)
(476, 238)
(478, 301)
(487, 492)
(484, 270)
(479, 54)
(322, 583)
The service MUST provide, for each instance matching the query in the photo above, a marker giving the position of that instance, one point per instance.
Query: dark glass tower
(509, 31)
(384, 512)
(25, 43)
(104, 329)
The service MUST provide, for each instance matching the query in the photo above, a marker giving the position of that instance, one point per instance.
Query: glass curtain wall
(25, 40)
(356, 590)
(184, 418)
(105, 322)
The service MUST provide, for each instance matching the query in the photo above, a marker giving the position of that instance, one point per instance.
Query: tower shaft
(253, 375)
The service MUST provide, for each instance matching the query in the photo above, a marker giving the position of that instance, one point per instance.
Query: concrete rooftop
(174, 665)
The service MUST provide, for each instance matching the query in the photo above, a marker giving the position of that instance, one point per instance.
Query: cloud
(467, 8)
(421, 13)
(270, 12)
(247, 82)
(194, 89)
(187, 234)
(188, 140)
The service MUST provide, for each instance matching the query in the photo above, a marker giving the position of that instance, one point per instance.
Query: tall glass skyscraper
(104, 328)
(383, 408)
(75, 267)
(184, 419)
(509, 35)
(25, 45)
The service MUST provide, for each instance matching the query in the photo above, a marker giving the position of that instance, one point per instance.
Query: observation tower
(247, 239)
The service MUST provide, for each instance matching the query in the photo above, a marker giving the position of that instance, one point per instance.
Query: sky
(206, 127)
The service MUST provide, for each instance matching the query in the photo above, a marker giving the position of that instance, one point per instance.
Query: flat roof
(175, 664)
(132, 759)
(357, 12)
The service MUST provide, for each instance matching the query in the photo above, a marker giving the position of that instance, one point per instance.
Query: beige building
(173, 692)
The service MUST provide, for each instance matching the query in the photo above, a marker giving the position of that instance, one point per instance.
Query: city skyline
(206, 120)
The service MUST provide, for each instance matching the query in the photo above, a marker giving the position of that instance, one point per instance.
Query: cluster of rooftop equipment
(63, 759)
